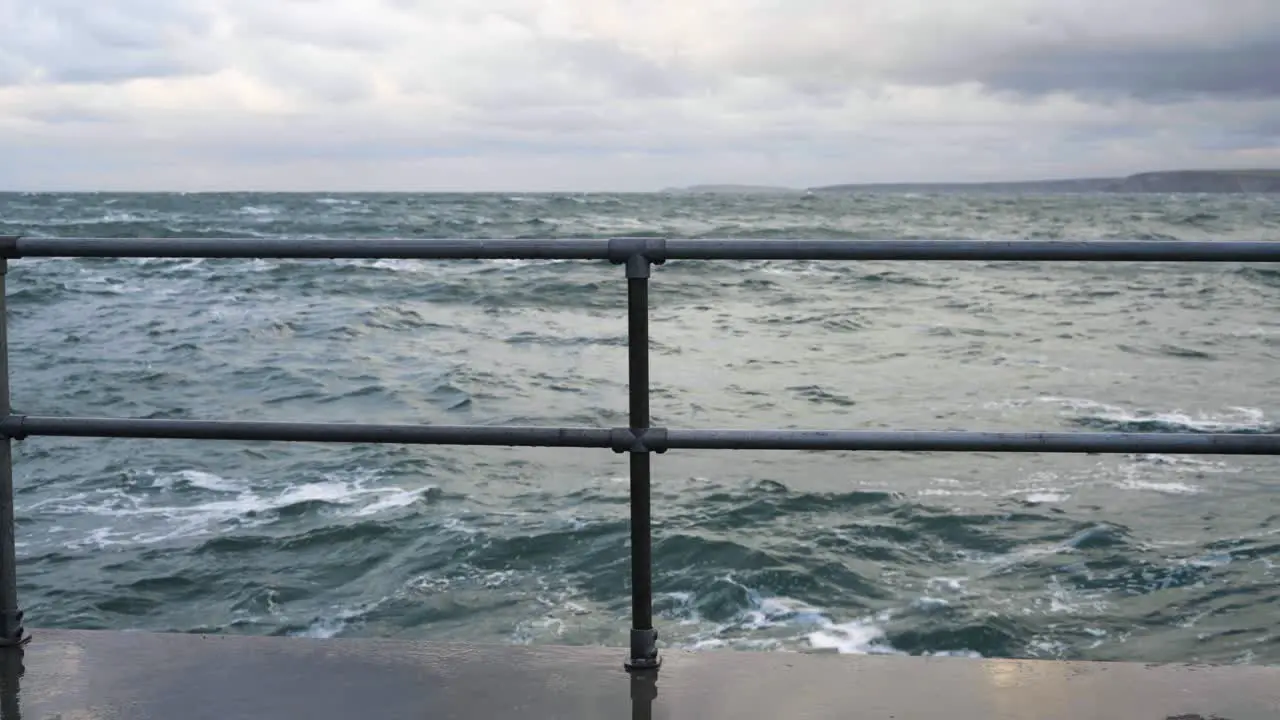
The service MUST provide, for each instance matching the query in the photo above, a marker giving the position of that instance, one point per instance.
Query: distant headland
(1174, 181)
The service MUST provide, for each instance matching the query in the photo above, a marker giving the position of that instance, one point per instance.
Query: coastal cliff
(1175, 181)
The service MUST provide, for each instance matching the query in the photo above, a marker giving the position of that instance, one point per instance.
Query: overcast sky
(626, 94)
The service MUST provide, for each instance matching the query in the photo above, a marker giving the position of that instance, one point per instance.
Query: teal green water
(1141, 557)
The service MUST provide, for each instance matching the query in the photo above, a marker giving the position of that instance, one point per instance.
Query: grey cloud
(1159, 52)
(64, 41)
(346, 84)
(309, 72)
(1267, 128)
(13, 69)
(1249, 70)
(625, 73)
(65, 114)
(314, 24)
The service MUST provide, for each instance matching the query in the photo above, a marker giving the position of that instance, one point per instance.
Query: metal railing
(639, 439)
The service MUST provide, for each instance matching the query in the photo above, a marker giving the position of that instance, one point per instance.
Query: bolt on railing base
(12, 634)
(644, 650)
(18, 642)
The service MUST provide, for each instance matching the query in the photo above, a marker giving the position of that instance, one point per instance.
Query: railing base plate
(644, 651)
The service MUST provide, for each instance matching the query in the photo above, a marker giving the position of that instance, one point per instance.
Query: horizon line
(668, 188)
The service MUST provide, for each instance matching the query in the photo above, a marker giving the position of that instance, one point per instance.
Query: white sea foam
(787, 624)
(944, 492)
(403, 265)
(525, 262)
(202, 480)
(857, 637)
(218, 502)
(1230, 419)
(1141, 476)
(1170, 488)
(331, 625)
(1046, 496)
(1189, 464)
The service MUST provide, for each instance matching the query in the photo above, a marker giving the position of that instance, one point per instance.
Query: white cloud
(624, 94)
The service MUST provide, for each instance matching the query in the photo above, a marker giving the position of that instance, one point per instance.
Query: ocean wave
(189, 504)
(1103, 416)
(1031, 555)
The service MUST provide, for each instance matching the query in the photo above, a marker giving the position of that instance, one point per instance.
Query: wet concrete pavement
(94, 675)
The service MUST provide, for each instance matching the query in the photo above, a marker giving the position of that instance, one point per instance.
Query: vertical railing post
(644, 690)
(11, 671)
(644, 637)
(11, 631)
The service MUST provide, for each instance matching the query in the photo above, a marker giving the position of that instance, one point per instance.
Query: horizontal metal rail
(316, 248)
(658, 440)
(639, 439)
(653, 249)
(990, 250)
(966, 441)
(21, 426)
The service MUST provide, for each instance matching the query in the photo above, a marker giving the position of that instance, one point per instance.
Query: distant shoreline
(1175, 181)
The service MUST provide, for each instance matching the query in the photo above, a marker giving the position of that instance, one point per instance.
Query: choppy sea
(1138, 557)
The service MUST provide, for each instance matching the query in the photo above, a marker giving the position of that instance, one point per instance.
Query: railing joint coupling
(637, 253)
(11, 426)
(9, 247)
(638, 440)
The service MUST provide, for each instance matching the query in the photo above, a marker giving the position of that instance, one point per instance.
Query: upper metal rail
(657, 440)
(19, 427)
(639, 439)
(655, 250)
